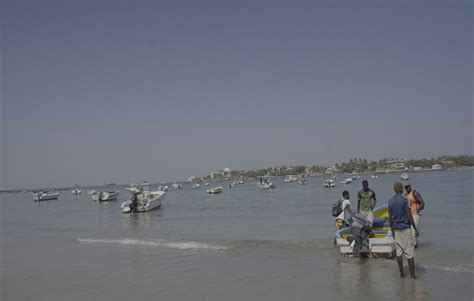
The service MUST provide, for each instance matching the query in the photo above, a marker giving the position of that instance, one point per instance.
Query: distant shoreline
(462, 168)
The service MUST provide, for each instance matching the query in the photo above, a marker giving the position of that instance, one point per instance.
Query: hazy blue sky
(96, 93)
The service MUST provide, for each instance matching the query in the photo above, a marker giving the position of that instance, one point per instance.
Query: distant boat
(143, 200)
(303, 181)
(105, 196)
(215, 190)
(290, 178)
(374, 176)
(266, 185)
(346, 181)
(196, 185)
(329, 183)
(163, 188)
(176, 186)
(206, 183)
(76, 191)
(404, 177)
(241, 182)
(45, 196)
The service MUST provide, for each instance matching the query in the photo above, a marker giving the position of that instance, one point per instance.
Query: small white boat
(176, 186)
(215, 190)
(290, 178)
(143, 200)
(329, 183)
(163, 188)
(195, 186)
(346, 181)
(45, 196)
(303, 181)
(105, 196)
(404, 177)
(374, 176)
(241, 182)
(266, 185)
(76, 191)
(206, 183)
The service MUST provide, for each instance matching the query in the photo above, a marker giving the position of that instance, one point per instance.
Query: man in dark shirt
(400, 222)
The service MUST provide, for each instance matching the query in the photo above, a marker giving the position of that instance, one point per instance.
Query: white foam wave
(457, 268)
(185, 245)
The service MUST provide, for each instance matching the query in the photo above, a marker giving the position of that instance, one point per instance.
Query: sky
(95, 92)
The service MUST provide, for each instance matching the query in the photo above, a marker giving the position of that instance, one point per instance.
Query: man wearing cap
(416, 205)
(400, 221)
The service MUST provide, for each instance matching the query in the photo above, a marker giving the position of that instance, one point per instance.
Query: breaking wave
(185, 245)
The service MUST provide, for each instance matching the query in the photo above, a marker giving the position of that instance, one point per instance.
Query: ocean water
(243, 244)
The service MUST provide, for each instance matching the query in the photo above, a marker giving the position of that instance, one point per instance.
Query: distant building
(397, 164)
(416, 168)
(217, 175)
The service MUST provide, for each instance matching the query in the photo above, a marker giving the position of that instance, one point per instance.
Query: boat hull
(381, 242)
(146, 203)
(45, 196)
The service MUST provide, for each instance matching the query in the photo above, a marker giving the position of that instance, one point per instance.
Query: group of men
(404, 217)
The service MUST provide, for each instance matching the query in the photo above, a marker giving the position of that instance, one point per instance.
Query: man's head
(365, 185)
(398, 188)
(345, 194)
(408, 188)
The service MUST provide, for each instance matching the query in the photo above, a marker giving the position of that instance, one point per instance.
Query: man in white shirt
(342, 220)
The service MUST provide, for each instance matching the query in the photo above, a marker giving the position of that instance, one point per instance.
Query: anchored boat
(104, 196)
(45, 196)
(379, 243)
(143, 200)
(215, 190)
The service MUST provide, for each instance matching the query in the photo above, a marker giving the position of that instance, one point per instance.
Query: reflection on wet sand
(376, 279)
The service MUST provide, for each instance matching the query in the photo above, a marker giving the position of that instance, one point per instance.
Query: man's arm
(358, 202)
(410, 219)
(374, 199)
(390, 219)
(419, 199)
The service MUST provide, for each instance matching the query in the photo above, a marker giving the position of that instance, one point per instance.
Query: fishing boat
(404, 177)
(105, 196)
(76, 191)
(266, 185)
(45, 196)
(206, 184)
(303, 181)
(374, 176)
(346, 181)
(241, 182)
(329, 183)
(163, 188)
(195, 186)
(215, 190)
(380, 241)
(176, 186)
(143, 200)
(290, 178)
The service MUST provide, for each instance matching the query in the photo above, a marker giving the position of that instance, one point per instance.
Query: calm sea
(243, 244)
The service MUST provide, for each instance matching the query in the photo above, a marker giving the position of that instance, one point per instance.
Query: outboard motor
(134, 202)
(360, 233)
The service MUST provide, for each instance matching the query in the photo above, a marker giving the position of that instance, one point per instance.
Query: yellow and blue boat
(380, 242)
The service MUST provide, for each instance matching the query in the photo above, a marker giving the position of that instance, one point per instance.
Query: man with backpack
(416, 205)
(341, 210)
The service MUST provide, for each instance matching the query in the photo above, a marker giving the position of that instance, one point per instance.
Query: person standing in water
(342, 220)
(366, 202)
(400, 221)
(416, 205)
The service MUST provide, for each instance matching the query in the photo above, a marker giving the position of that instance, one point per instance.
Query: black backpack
(337, 208)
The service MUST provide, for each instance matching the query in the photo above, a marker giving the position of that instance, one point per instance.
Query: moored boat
(45, 196)
(143, 200)
(329, 183)
(176, 186)
(105, 196)
(215, 190)
(404, 177)
(76, 191)
(196, 185)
